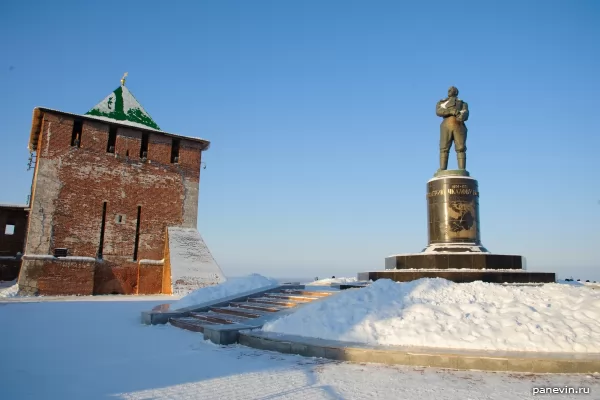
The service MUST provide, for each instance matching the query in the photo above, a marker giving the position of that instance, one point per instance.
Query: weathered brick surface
(90, 179)
(57, 131)
(150, 279)
(128, 143)
(66, 278)
(190, 156)
(80, 180)
(159, 149)
(116, 277)
(29, 275)
(94, 137)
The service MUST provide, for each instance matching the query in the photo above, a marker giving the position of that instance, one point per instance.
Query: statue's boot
(443, 161)
(462, 160)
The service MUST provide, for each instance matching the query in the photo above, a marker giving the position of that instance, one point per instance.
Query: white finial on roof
(123, 79)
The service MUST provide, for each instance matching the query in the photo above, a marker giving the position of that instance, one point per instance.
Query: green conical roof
(120, 105)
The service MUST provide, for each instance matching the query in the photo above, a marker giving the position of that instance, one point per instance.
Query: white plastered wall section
(192, 264)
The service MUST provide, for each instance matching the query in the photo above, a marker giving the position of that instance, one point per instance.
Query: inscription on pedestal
(453, 210)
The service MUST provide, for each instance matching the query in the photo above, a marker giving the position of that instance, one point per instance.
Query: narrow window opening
(102, 226)
(127, 153)
(175, 151)
(112, 140)
(144, 146)
(119, 218)
(9, 230)
(76, 134)
(137, 234)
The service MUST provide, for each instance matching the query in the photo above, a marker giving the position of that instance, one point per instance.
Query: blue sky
(322, 117)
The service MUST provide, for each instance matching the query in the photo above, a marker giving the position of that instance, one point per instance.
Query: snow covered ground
(99, 350)
(330, 281)
(8, 288)
(440, 313)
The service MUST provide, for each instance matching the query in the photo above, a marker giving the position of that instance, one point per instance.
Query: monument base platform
(461, 275)
(455, 248)
(466, 260)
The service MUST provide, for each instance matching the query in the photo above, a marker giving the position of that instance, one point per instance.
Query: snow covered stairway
(222, 323)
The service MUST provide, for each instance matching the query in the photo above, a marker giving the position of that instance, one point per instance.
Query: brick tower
(114, 204)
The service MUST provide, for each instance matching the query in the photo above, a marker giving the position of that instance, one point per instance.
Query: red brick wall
(150, 279)
(89, 176)
(65, 278)
(57, 131)
(94, 137)
(128, 141)
(190, 156)
(159, 149)
(116, 277)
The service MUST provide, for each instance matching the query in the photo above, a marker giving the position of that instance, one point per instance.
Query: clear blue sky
(322, 117)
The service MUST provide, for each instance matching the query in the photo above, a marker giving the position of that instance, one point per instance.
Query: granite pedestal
(454, 250)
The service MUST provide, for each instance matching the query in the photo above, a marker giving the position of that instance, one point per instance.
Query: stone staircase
(252, 309)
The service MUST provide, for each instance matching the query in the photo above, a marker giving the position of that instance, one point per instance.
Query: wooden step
(235, 319)
(210, 317)
(306, 292)
(267, 301)
(238, 312)
(297, 299)
(190, 324)
(257, 307)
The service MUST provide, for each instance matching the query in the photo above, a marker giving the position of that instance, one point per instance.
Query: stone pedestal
(453, 214)
(454, 249)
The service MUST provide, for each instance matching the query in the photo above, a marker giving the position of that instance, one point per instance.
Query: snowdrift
(231, 287)
(330, 281)
(440, 313)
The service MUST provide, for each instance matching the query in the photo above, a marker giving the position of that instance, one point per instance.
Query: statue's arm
(442, 111)
(464, 112)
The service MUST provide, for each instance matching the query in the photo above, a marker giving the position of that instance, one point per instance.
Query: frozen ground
(440, 313)
(99, 350)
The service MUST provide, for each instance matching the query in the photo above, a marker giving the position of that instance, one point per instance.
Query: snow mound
(229, 288)
(440, 313)
(330, 281)
(9, 289)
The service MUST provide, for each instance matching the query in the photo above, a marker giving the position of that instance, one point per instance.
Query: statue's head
(453, 91)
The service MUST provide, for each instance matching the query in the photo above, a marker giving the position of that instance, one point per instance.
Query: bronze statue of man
(453, 129)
